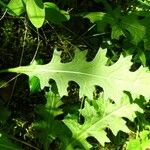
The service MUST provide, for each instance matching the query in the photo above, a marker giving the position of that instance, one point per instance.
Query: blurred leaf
(142, 141)
(4, 114)
(120, 24)
(7, 144)
(34, 83)
(16, 7)
(48, 126)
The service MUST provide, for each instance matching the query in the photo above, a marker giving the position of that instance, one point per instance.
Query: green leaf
(7, 144)
(98, 116)
(36, 12)
(48, 126)
(142, 141)
(54, 14)
(133, 25)
(134, 144)
(116, 32)
(16, 7)
(113, 79)
(34, 83)
(4, 114)
(52, 106)
(119, 24)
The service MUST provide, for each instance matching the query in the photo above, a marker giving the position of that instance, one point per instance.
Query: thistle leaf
(113, 79)
(98, 116)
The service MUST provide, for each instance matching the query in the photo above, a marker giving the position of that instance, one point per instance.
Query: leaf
(98, 116)
(16, 7)
(6, 144)
(36, 12)
(134, 144)
(34, 83)
(142, 141)
(133, 25)
(4, 114)
(113, 79)
(48, 127)
(119, 24)
(51, 108)
(54, 14)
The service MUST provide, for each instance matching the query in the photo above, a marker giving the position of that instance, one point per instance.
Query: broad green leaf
(97, 117)
(54, 14)
(36, 12)
(113, 79)
(16, 7)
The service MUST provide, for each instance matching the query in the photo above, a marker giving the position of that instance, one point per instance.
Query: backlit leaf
(99, 116)
(36, 12)
(113, 79)
(16, 7)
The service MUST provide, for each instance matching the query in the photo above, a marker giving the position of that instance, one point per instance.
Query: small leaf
(142, 57)
(116, 32)
(36, 12)
(34, 83)
(54, 14)
(16, 7)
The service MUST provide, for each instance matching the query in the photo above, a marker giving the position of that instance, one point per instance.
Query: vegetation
(74, 75)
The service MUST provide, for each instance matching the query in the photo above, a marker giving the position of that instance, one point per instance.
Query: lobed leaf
(113, 79)
(98, 116)
(119, 24)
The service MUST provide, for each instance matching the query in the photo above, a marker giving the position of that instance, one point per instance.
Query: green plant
(83, 97)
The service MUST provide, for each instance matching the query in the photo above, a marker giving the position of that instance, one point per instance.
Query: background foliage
(74, 74)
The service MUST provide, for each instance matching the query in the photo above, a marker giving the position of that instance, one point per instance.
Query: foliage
(142, 141)
(36, 11)
(6, 144)
(85, 82)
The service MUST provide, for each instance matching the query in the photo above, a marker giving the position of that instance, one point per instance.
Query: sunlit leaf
(113, 79)
(16, 7)
(99, 116)
(36, 12)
